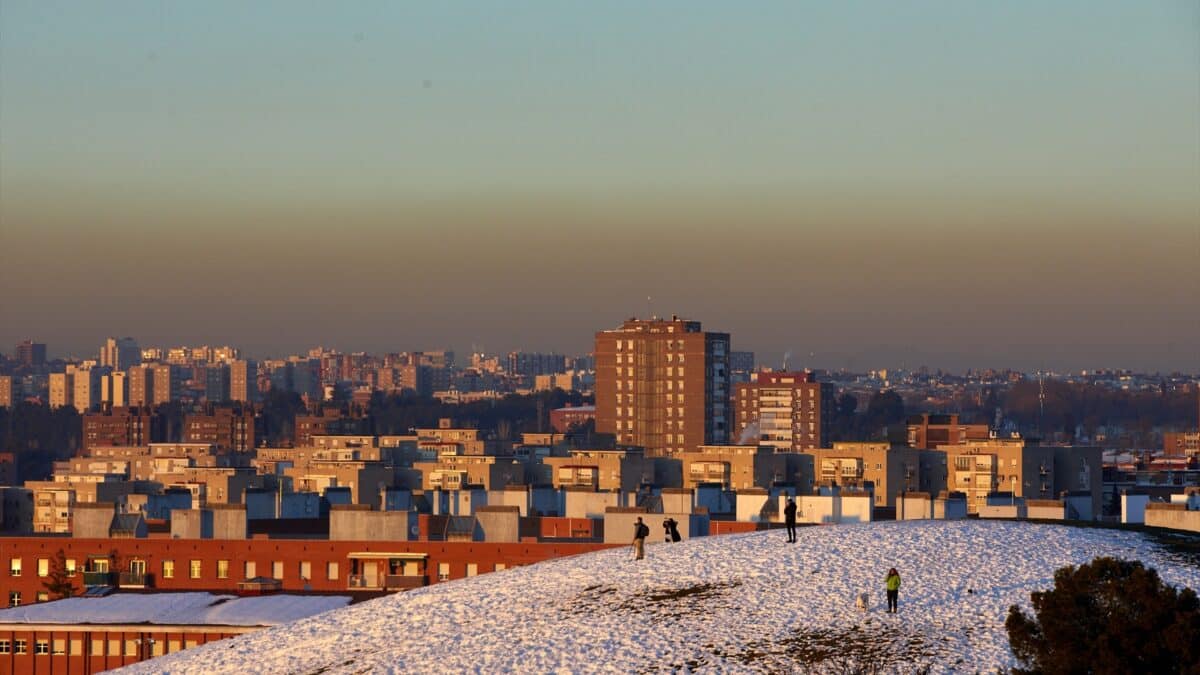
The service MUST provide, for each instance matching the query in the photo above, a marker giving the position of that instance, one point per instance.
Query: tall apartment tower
(87, 389)
(166, 384)
(141, 386)
(793, 412)
(7, 391)
(243, 381)
(120, 353)
(30, 353)
(663, 384)
(62, 389)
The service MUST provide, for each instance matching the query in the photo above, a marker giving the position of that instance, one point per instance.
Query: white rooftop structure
(193, 609)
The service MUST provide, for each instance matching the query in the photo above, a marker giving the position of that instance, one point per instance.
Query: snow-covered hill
(732, 603)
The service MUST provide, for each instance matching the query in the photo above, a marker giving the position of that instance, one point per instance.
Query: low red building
(562, 419)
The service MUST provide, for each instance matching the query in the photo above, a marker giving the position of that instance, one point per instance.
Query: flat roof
(205, 609)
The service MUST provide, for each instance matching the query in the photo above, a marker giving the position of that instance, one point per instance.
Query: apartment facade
(790, 412)
(928, 431)
(663, 385)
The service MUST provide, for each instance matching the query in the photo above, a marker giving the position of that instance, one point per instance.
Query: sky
(862, 184)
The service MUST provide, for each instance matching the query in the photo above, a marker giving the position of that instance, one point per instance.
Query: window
(70, 567)
(222, 570)
(277, 569)
(194, 569)
(114, 647)
(168, 569)
(76, 647)
(131, 648)
(472, 569)
(59, 646)
(172, 646)
(43, 567)
(305, 570)
(20, 647)
(97, 648)
(331, 571)
(443, 571)
(43, 596)
(14, 567)
(250, 569)
(156, 647)
(14, 598)
(5, 647)
(41, 647)
(188, 644)
(500, 567)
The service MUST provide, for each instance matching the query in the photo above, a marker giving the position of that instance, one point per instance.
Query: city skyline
(958, 187)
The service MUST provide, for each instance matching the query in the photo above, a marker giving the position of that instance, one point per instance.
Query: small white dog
(863, 602)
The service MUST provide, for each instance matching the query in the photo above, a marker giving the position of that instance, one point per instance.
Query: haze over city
(1005, 185)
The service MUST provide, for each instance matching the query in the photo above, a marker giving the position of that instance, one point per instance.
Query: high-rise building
(31, 354)
(216, 383)
(87, 388)
(141, 386)
(663, 385)
(166, 383)
(62, 389)
(114, 389)
(120, 353)
(6, 391)
(790, 412)
(532, 364)
(243, 381)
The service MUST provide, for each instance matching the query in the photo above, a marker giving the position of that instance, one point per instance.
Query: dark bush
(1108, 617)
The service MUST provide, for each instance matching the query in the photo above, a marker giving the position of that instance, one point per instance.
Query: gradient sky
(956, 184)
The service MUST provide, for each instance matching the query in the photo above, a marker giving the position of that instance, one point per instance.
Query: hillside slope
(738, 602)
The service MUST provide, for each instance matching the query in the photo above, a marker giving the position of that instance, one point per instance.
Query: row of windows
(60, 646)
(195, 568)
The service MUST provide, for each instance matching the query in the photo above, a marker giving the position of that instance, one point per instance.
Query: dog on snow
(863, 602)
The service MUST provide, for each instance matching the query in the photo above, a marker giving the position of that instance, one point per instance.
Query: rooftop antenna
(786, 355)
(649, 313)
(1041, 404)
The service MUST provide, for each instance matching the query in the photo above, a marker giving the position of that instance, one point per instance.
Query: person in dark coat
(640, 532)
(789, 517)
(672, 526)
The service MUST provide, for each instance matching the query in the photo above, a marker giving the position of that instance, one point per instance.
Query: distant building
(114, 389)
(216, 383)
(531, 364)
(663, 385)
(1181, 444)
(166, 383)
(562, 419)
(62, 389)
(741, 362)
(226, 428)
(328, 423)
(141, 385)
(86, 393)
(120, 427)
(1017, 468)
(789, 412)
(30, 354)
(243, 381)
(120, 353)
(929, 430)
(6, 391)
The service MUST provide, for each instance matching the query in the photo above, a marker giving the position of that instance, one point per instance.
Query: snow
(741, 603)
(175, 609)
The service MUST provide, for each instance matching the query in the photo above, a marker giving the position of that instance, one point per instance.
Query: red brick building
(789, 411)
(122, 427)
(562, 419)
(227, 428)
(928, 431)
(663, 385)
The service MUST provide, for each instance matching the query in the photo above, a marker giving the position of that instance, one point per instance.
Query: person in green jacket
(893, 589)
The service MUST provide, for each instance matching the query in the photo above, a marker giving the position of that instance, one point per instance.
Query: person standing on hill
(789, 517)
(672, 526)
(893, 589)
(640, 532)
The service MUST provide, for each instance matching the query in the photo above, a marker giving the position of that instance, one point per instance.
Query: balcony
(99, 578)
(135, 580)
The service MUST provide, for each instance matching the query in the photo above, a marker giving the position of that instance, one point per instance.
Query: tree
(57, 583)
(1108, 616)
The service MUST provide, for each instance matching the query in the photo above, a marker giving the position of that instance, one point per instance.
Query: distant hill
(732, 603)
